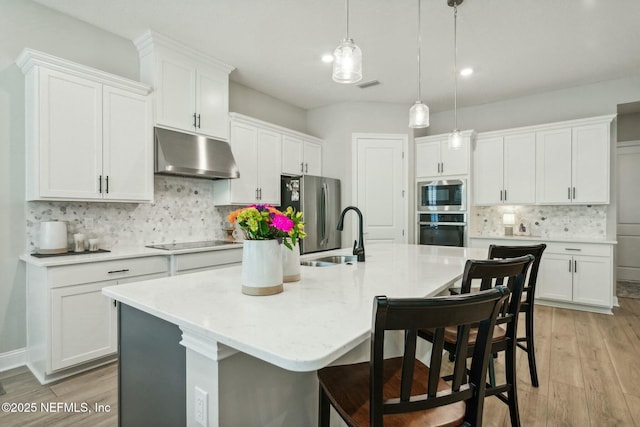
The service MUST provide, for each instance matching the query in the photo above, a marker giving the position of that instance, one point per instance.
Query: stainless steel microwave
(443, 195)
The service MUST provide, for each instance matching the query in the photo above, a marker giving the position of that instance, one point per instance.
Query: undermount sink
(328, 261)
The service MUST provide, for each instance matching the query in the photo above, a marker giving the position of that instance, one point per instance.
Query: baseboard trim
(13, 359)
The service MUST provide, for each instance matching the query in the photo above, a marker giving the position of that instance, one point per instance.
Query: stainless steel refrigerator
(319, 199)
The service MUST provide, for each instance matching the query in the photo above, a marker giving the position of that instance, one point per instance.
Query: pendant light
(455, 139)
(419, 113)
(347, 58)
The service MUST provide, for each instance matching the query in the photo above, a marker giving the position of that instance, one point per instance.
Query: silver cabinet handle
(107, 179)
(260, 193)
(306, 168)
(198, 121)
(257, 193)
(194, 120)
(569, 193)
(500, 195)
(505, 195)
(301, 167)
(100, 184)
(574, 193)
(124, 270)
(575, 266)
(572, 249)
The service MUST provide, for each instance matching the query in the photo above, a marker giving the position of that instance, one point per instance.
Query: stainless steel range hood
(196, 156)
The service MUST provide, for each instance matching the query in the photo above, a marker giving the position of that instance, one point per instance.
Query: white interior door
(380, 190)
(628, 246)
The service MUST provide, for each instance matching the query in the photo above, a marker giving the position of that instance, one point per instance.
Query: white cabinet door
(555, 277)
(553, 166)
(269, 167)
(428, 159)
(312, 158)
(175, 93)
(519, 169)
(83, 324)
(212, 103)
(292, 156)
(244, 144)
(488, 186)
(454, 162)
(70, 129)
(128, 146)
(591, 280)
(590, 164)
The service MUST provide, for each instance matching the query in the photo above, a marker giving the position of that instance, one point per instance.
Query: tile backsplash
(544, 221)
(183, 211)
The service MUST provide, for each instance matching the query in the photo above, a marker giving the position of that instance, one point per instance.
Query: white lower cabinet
(200, 261)
(572, 275)
(83, 324)
(72, 326)
(69, 321)
(578, 279)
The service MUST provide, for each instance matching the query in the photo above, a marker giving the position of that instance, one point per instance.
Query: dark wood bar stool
(494, 273)
(525, 343)
(402, 391)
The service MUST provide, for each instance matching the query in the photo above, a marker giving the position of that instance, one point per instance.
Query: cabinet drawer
(106, 270)
(207, 259)
(579, 249)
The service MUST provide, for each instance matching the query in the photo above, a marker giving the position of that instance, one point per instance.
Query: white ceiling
(517, 47)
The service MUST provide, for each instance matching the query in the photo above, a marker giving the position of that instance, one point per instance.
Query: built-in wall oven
(442, 196)
(442, 228)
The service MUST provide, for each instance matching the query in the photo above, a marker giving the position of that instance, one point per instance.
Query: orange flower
(234, 215)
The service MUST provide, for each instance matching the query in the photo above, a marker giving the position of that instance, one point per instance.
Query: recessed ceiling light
(466, 71)
(327, 58)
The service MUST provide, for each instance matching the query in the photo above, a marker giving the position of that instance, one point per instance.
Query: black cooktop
(191, 245)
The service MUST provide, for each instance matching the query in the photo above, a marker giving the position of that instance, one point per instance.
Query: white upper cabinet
(88, 133)
(434, 158)
(192, 89)
(301, 155)
(257, 151)
(504, 169)
(553, 153)
(573, 163)
(127, 164)
(557, 163)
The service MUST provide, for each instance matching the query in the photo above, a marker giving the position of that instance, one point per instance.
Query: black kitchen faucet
(358, 246)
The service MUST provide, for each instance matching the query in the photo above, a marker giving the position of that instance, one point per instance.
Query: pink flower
(282, 223)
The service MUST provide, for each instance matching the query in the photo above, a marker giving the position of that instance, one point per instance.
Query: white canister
(290, 263)
(78, 242)
(53, 237)
(94, 244)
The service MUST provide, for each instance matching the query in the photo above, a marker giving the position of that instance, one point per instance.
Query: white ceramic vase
(290, 263)
(261, 267)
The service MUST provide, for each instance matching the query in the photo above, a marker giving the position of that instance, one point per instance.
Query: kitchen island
(230, 359)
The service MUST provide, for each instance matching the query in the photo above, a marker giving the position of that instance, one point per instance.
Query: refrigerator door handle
(324, 213)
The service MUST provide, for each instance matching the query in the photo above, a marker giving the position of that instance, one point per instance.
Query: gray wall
(256, 104)
(629, 127)
(566, 104)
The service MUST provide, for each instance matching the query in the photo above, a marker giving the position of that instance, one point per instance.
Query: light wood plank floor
(587, 365)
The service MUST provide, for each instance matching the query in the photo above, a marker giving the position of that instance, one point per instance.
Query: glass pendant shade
(455, 140)
(347, 62)
(419, 115)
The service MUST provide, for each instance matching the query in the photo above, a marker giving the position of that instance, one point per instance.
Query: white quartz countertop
(550, 239)
(314, 321)
(116, 253)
